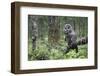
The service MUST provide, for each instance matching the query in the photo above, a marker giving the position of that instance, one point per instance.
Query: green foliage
(44, 51)
(56, 54)
(40, 53)
(81, 54)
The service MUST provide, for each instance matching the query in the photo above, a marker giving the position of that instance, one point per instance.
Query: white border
(25, 64)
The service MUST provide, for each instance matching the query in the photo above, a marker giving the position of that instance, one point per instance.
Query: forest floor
(44, 51)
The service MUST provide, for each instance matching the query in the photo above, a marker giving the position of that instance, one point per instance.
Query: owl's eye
(65, 28)
(68, 27)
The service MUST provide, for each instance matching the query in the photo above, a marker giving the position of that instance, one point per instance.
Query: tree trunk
(33, 20)
(54, 30)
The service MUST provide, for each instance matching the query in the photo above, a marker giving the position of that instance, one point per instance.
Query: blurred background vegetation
(46, 37)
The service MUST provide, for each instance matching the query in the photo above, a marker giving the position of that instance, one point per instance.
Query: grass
(44, 51)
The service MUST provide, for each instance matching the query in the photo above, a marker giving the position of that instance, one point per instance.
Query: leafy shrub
(44, 51)
(56, 54)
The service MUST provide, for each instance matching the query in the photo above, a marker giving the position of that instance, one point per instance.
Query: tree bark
(54, 30)
(33, 20)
